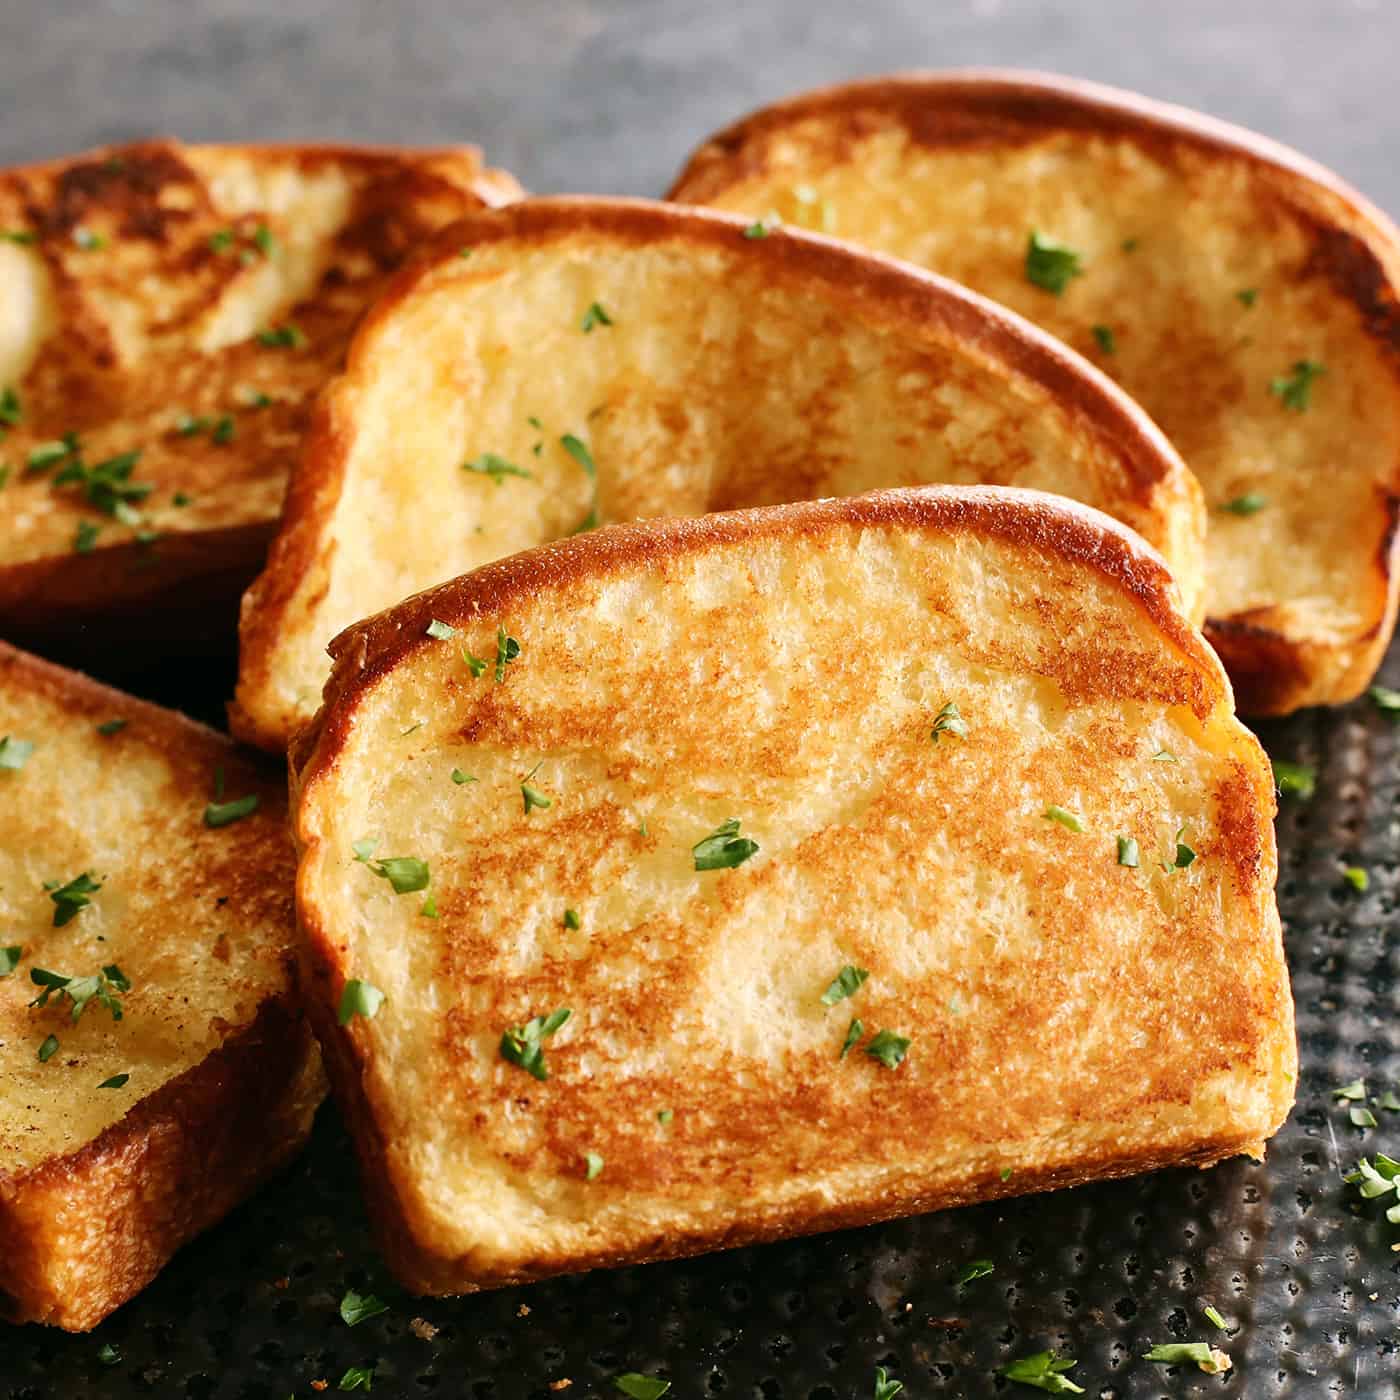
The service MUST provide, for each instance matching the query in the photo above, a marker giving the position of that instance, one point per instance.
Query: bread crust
(879, 289)
(83, 1230)
(372, 651)
(1277, 667)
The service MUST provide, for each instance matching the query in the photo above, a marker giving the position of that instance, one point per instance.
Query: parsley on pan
(70, 899)
(1295, 388)
(885, 1388)
(594, 316)
(102, 987)
(14, 753)
(846, 983)
(461, 778)
(1384, 698)
(1389, 1101)
(723, 848)
(356, 1308)
(226, 813)
(1294, 779)
(1355, 1092)
(497, 468)
(357, 1378)
(1050, 265)
(639, 1387)
(948, 721)
(359, 999)
(1045, 1371)
(1065, 818)
(974, 1269)
(1251, 503)
(1210, 1359)
(1212, 1316)
(524, 1045)
(889, 1048)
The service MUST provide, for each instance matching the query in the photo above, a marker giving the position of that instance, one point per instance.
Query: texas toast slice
(562, 362)
(693, 883)
(167, 313)
(1242, 294)
(154, 1063)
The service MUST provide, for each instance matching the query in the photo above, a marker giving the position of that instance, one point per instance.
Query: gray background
(610, 95)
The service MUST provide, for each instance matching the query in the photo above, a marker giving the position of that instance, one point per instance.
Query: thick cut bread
(120, 1139)
(1217, 272)
(135, 283)
(698, 366)
(792, 671)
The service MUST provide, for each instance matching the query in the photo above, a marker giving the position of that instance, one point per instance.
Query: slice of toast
(565, 361)
(183, 303)
(174, 1072)
(1243, 294)
(886, 853)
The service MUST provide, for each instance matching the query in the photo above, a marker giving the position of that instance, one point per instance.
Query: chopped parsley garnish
(1251, 503)
(1361, 1117)
(975, 1269)
(507, 649)
(571, 919)
(102, 987)
(221, 240)
(4, 472)
(1211, 1360)
(70, 899)
(356, 1308)
(266, 243)
(948, 721)
(1107, 341)
(1165, 756)
(359, 999)
(524, 1045)
(14, 753)
(1128, 852)
(1050, 265)
(853, 1033)
(11, 411)
(48, 1049)
(665, 1115)
(19, 236)
(50, 454)
(640, 1387)
(1214, 1317)
(723, 848)
(85, 537)
(224, 430)
(757, 229)
(461, 778)
(441, 630)
(846, 984)
(357, 1378)
(1355, 1091)
(288, 337)
(226, 813)
(889, 1048)
(1066, 819)
(109, 1355)
(1294, 779)
(594, 316)
(1247, 296)
(179, 499)
(578, 450)
(1389, 1102)
(1384, 698)
(405, 874)
(1045, 1371)
(117, 1081)
(497, 468)
(1006, 1173)
(1295, 389)
(593, 1165)
(9, 958)
(87, 240)
(1357, 878)
(191, 427)
(464, 252)
(1378, 1180)
(885, 1388)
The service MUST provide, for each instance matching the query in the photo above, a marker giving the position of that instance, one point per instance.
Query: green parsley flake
(109, 1355)
(1247, 296)
(22, 237)
(571, 919)
(356, 1308)
(948, 721)
(723, 848)
(1251, 503)
(664, 1116)
(224, 430)
(70, 899)
(1050, 265)
(889, 1048)
(357, 1378)
(117, 1081)
(578, 450)
(1355, 1091)
(14, 753)
(1389, 1102)
(9, 958)
(1128, 852)
(641, 1387)
(359, 999)
(107, 486)
(1384, 698)
(1006, 1173)
(441, 631)
(266, 243)
(885, 1388)
(102, 987)
(1214, 1318)
(288, 337)
(1357, 878)
(1295, 389)
(11, 411)
(507, 649)
(524, 1045)
(1165, 756)
(1107, 342)
(475, 664)
(1378, 1180)
(1183, 856)
(1361, 1117)
(853, 1033)
(461, 778)
(48, 1049)
(405, 874)
(497, 468)
(4, 474)
(757, 229)
(85, 539)
(1045, 1371)
(87, 240)
(1208, 1358)
(1066, 819)
(593, 1166)
(1298, 780)
(594, 316)
(226, 813)
(846, 984)
(975, 1269)
(221, 240)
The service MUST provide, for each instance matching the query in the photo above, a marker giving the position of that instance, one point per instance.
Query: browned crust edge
(368, 651)
(883, 288)
(1273, 673)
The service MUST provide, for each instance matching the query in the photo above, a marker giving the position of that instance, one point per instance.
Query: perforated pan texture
(1300, 1268)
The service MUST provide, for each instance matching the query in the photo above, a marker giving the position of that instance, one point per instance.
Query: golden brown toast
(713, 771)
(1243, 294)
(175, 1072)
(565, 361)
(185, 303)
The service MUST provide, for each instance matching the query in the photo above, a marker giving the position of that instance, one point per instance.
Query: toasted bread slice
(138, 1105)
(904, 699)
(1244, 296)
(137, 287)
(616, 359)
